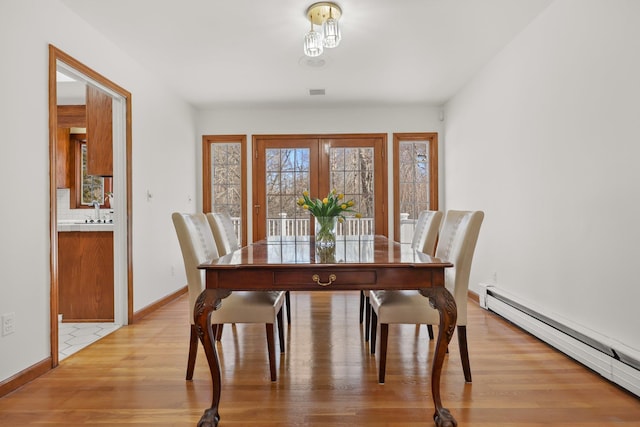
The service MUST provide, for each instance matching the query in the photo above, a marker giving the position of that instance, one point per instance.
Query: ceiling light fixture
(325, 14)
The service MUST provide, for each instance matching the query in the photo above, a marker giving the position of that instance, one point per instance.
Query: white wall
(164, 161)
(545, 141)
(321, 120)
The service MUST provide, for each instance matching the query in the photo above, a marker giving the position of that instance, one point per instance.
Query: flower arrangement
(331, 206)
(327, 211)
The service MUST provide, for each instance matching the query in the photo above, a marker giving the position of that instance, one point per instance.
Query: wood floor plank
(327, 377)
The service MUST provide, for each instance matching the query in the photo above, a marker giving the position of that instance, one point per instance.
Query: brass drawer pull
(316, 278)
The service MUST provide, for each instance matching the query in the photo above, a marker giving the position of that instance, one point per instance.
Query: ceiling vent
(313, 92)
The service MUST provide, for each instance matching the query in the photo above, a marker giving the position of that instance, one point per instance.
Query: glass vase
(326, 254)
(326, 231)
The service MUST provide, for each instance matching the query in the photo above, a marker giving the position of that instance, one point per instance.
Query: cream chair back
(197, 246)
(223, 232)
(457, 244)
(226, 238)
(425, 234)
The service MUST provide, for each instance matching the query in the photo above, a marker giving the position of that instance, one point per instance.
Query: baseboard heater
(605, 358)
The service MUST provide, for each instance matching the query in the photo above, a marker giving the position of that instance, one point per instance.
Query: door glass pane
(352, 173)
(226, 179)
(413, 186)
(287, 176)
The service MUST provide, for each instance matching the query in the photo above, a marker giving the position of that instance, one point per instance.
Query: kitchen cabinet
(69, 116)
(99, 132)
(64, 159)
(85, 276)
(72, 116)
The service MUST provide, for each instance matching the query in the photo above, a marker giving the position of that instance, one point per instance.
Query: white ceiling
(249, 52)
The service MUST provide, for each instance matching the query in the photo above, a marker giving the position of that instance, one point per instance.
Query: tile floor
(73, 337)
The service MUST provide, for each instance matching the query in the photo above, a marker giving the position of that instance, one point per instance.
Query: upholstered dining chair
(227, 241)
(224, 232)
(456, 244)
(425, 235)
(198, 245)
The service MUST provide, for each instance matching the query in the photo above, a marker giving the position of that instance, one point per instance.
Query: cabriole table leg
(443, 301)
(209, 300)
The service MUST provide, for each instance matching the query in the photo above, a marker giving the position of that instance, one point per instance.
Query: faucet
(96, 205)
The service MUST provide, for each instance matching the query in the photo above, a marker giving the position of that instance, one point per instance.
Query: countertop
(64, 226)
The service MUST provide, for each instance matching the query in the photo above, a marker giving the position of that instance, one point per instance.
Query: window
(415, 165)
(223, 175)
(91, 186)
(88, 188)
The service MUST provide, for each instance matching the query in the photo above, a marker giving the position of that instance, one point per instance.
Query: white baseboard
(482, 294)
(593, 353)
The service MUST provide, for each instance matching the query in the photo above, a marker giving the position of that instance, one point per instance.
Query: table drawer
(351, 277)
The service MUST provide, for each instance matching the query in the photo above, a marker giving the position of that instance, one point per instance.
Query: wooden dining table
(294, 263)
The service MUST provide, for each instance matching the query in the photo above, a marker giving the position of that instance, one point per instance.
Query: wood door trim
(56, 55)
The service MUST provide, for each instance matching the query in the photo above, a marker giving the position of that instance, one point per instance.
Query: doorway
(119, 219)
(286, 165)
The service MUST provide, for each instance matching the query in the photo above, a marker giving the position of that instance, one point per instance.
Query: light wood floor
(135, 377)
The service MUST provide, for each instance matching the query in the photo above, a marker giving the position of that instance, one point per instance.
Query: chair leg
(374, 331)
(464, 352)
(287, 298)
(430, 331)
(271, 349)
(280, 318)
(384, 335)
(193, 351)
(367, 321)
(218, 331)
(361, 306)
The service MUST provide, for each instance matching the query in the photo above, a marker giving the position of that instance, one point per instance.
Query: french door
(286, 165)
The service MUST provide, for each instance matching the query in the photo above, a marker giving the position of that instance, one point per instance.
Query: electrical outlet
(8, 323)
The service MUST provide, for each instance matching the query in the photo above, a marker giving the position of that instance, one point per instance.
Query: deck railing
(284, 226)
(301, 226)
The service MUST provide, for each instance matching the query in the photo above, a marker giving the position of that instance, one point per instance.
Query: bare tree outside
(352, 173)
(351, 164)
(413, 184)
(226, 178)
(287, 176)
(414, 177)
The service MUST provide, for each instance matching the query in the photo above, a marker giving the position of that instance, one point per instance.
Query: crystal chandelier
(326, 15)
